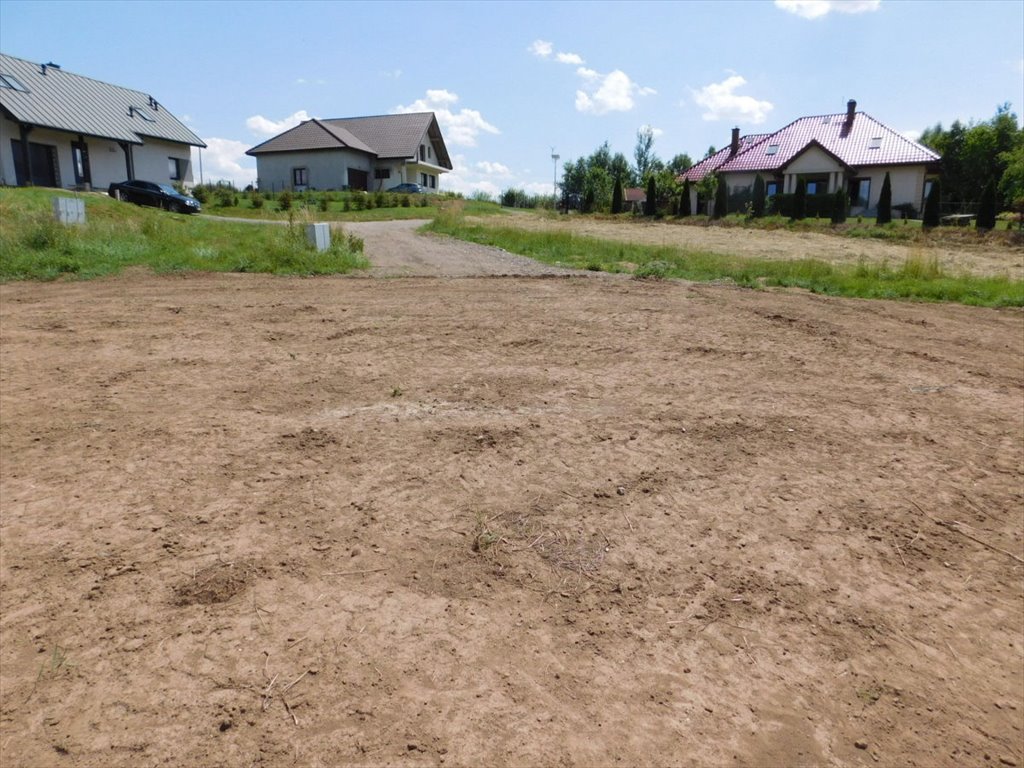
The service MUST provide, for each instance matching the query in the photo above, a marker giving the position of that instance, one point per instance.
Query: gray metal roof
(69, 102)
(386, 136)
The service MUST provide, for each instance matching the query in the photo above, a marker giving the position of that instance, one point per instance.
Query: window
(176, 168)
(875, 143)
(423, 179)
(136, 112)
(860, 193)
(382, 173)
(433, 181)
(80, 162)
(423, 152)
(771, 188)
(10, 81)
(772, 149)
(300, 177)
(817, 186)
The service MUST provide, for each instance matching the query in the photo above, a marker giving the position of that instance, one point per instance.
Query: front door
(80, 160)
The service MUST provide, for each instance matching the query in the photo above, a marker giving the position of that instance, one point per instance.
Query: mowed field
(553, 520)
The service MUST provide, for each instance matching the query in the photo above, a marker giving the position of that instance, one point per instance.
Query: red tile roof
(712, 164)
(862, 142)
(634, 195)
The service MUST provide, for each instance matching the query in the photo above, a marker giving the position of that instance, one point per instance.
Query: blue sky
(509, 81)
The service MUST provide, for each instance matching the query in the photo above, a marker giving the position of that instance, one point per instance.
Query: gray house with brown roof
(59, 129)
(368, 153)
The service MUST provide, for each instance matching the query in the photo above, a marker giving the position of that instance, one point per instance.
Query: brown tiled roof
(385, 136)
(68, 102)
(634, 195)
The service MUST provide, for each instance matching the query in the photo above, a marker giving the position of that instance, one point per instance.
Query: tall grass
(117, 235)
(919, 278)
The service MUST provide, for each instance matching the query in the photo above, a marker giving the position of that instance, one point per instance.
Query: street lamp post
(554, 175)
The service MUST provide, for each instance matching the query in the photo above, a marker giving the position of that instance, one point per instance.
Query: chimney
(735, 146)
(851, 109)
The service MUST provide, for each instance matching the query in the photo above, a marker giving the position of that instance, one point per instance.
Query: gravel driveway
(395, 249)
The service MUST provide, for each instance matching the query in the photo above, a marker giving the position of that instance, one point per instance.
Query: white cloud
(258, 124)
(720, 102)
(541, 48)
(912, 135)
(587, 74)
(613, 92)
(569, 58)
(394, 74)
(493, 169)
(460, 128)
(656, 132)
(815, 9)
(304, 81)
(224, 160)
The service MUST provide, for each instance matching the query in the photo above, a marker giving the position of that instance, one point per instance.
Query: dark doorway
(358, 179)
(42, 158)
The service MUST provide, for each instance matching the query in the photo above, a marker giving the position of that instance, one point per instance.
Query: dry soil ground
(506, 521)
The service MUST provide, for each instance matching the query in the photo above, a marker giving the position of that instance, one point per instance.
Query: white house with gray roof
(369, 153)
(59, 129)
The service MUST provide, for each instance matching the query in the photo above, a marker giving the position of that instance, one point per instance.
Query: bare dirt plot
(265, 521)
(981, 259)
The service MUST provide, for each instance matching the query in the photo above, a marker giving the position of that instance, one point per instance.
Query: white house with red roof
(849, 150)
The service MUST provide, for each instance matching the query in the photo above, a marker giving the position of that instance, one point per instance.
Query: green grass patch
(919, 278)
(33, 246)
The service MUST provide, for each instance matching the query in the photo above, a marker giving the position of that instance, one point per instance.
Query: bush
(652, 270)
(256, 200)
(617, 196)
(799, 210)
(684, 200)
(284, 201)
(324, 202)
(651, 204)
(814, 206)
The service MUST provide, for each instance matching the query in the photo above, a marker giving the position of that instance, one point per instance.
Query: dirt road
(395, 249)
(314, 522)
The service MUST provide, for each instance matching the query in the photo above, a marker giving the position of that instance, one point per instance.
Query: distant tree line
(978, 155)
(596, 182)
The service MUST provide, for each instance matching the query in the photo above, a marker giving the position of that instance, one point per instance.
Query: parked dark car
(157, 195)
(407, 189)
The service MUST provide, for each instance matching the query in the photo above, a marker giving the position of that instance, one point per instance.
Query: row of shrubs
(224, 195)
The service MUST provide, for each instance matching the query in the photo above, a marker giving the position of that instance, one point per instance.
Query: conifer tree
(651, 204)
(721, 199)
(684, 200)
(839, 205)
(987, 208)
(617, 196)
(884, 215)
(757, 204)
(800, 201)
(930, 218)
